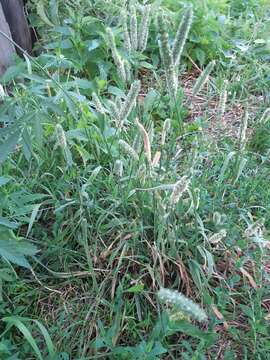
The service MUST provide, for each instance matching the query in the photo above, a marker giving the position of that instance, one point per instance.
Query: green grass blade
(13, 320)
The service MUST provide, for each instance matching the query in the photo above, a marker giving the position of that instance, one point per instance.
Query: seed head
(127, 43)
(182, 303)
(114, 111)
(167, 58)
(133, 28)
(203, 78)
(243, 131)
(137, 143)
(216, 238)
(156, 159)
(181, 35)
(144, 28)
(216, 218)
(99, 107)
(146, 141)
(127, 71)
(118, 168)
(180, 187)
(128, 149)
(62, 142)
(223, 99)
(165, 130)
(130, 100)
(116, 57)
(61, 136)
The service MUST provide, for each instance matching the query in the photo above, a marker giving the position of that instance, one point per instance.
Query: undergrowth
(133, 225)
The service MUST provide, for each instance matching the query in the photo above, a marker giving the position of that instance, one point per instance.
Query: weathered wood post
(7, 49)
(15, 16)
(14, 24)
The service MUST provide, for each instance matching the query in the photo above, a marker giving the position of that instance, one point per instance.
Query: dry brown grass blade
(250, 278)
(114, 281)
(220, 316)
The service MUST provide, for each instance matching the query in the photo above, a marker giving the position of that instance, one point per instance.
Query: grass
(92, 229)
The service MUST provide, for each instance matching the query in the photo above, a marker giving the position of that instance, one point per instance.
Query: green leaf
(9, 145)
(54, 7)
(135, 289)
(146, 65)
(151, 98)
(191, 330)
(38, 129)
(70, 104)
(32, 218)
(7, 223)
(93, 44)
(13, 72)
(4, 180)
(78, 134)
(15, 250)
(81, 84)
(27, 144)
(116, 91)
(200, 56)
(48, 340)
(6, 275)
(16, 321)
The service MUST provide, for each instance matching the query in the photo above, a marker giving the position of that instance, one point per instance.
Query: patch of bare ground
(206, 106)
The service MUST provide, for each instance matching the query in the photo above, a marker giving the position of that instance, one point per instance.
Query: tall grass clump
(171, 55)
(115, 182)
(136, 33)
(166, 57)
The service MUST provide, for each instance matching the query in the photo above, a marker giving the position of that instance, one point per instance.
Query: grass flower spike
(167, 58)
(216, 238)
(144, 28)
(116, 57)
(127, 42)
(62, 142)
(133, 28)
(99, 107)
(181, 35)
(130, 100)
(223, 99)
(128, 149)
(113, 109)
(203, 78)
(182, 303)
(156, 159)
(61, 136)
(179, 189)
(127, 71)
(165, 130)
(118, 168)
(146, 141)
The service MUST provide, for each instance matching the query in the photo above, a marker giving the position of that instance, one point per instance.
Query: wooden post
(15, 16)
(7, 49)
